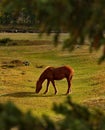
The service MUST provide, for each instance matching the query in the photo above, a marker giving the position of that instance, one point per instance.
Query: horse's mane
(42, 74)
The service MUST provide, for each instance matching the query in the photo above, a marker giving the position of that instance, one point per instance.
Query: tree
(17, 13)
(80, 18)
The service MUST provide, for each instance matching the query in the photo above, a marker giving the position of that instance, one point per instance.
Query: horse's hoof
(55, 93)
(68, 93)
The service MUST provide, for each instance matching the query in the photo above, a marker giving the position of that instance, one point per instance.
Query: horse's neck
(42, 78)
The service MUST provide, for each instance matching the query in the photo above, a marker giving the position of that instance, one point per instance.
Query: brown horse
(52, 74)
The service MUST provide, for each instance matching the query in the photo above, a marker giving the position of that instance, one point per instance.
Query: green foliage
(82, 19)
(78, 117)
(75, 117)
(11, 116)
(17, 12)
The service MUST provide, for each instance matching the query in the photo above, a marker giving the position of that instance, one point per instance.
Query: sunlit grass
(31, 36)
(18, 84)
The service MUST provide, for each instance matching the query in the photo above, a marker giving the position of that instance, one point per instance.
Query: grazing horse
(51, 74)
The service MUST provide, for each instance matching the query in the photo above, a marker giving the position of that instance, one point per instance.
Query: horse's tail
(71, 77)
(72, 73)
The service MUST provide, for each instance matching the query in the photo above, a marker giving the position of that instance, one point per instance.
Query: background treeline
(18, 16)
(23, 18)
(23, 22)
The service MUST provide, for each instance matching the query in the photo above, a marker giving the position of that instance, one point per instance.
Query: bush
(76, 117)
(12, 117)
(4, 41)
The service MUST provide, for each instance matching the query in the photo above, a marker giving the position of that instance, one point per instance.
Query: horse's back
(62, 72)
(60, 69)
(70, 69)
(67, 69)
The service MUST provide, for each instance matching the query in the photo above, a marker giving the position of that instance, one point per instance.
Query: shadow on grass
(29, 94)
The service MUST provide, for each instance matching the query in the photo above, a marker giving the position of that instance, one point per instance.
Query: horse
(52, 74)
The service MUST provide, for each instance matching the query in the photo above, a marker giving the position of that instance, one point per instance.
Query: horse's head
(38, 86)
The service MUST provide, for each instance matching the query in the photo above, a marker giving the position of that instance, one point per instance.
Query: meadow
(17, 83)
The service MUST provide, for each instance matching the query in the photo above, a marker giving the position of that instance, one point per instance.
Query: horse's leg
(48, 81)
(69, 84)
(53, 83)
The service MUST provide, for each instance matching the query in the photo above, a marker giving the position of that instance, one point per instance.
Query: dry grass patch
(98, 103)
(98, 83)
(14, 74)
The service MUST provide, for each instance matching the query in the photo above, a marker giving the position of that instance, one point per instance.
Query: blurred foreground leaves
(74, 117)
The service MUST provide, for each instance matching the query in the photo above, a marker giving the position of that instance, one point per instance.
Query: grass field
(17, 83)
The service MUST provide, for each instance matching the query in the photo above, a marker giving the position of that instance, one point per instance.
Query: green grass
(18, 84)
